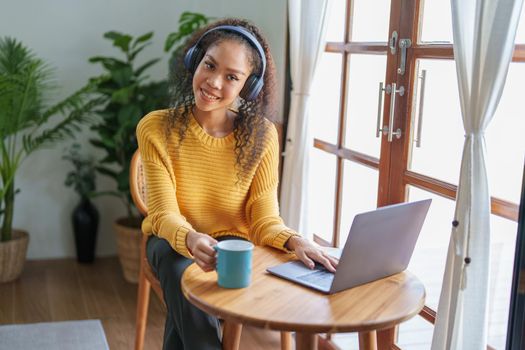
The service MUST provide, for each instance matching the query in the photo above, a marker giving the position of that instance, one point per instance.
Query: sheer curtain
(484, 32)
(307, 23)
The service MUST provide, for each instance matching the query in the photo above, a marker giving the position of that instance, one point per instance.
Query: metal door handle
(421, 103)
(401, 92)
(380, 109)
(388, 129)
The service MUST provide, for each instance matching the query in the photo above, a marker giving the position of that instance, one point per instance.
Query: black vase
(85, 226)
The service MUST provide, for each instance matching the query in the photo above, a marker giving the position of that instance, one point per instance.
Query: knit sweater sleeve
(262, 208)
(164, 217)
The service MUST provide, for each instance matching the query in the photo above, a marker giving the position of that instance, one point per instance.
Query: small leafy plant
(83, 176)
(189, 22)
(127, 97)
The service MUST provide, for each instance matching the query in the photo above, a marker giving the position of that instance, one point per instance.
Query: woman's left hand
(307, 252)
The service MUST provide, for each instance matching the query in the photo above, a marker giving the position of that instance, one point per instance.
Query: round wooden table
(273, 303)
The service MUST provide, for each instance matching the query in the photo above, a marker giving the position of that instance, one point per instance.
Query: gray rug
(70, 335)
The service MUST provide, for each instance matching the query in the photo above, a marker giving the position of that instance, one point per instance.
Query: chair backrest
(137, 183)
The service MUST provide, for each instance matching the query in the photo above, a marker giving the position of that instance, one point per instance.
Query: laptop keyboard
(321, 278)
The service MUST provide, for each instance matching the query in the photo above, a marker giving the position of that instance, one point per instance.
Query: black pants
(187, 327)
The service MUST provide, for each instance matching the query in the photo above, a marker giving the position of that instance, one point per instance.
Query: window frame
(394, 175)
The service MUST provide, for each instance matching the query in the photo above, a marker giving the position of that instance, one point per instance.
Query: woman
(211, 166)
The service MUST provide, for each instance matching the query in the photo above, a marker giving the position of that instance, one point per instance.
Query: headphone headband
(245, 34)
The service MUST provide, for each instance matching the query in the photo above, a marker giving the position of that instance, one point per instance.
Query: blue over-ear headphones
(255, 82)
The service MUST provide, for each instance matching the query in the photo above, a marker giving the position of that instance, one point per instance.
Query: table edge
(308, 328)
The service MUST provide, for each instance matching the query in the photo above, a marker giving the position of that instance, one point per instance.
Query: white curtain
(307, 23)
(484, 32)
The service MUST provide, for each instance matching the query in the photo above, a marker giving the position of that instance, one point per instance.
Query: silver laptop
(380, 244)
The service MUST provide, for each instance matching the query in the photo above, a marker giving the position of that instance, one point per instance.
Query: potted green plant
(85, 217)
(127, 97)
(26, 84)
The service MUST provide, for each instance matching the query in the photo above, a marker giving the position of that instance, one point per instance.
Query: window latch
(404, 44)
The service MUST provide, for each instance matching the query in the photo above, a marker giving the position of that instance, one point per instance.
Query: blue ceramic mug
(234, 263)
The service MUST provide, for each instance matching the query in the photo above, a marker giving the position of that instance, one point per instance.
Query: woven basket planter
(13, 256)
(129, 236)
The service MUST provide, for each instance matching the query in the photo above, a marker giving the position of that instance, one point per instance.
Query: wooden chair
(148, 280)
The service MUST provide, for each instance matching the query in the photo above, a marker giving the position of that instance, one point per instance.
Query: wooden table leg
(305, 341)
(386, 338)
(286, 340)
(231, 338)
(367, 340)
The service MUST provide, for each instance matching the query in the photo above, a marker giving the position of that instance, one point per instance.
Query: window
(353, 171)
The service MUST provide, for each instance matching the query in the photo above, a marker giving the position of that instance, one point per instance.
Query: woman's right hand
(201, 246)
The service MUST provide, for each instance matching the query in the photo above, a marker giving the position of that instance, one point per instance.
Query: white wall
(66, 33)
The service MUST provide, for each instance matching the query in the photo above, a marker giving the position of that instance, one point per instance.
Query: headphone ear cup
(192, 58)
(252, 87)
(188, 58)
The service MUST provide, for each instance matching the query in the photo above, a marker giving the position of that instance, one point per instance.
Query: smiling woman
(211, 169)
(227, 64)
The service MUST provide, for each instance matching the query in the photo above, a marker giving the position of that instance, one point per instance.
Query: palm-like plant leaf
(74, 102)
(65, 128)
(25, 84)
(23, 78)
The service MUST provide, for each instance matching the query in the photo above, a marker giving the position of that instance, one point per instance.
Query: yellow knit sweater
(193, 186)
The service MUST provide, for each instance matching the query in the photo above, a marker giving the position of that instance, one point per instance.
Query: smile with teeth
(208, 96)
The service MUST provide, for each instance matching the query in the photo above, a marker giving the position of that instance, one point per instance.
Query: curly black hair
(249, 125)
